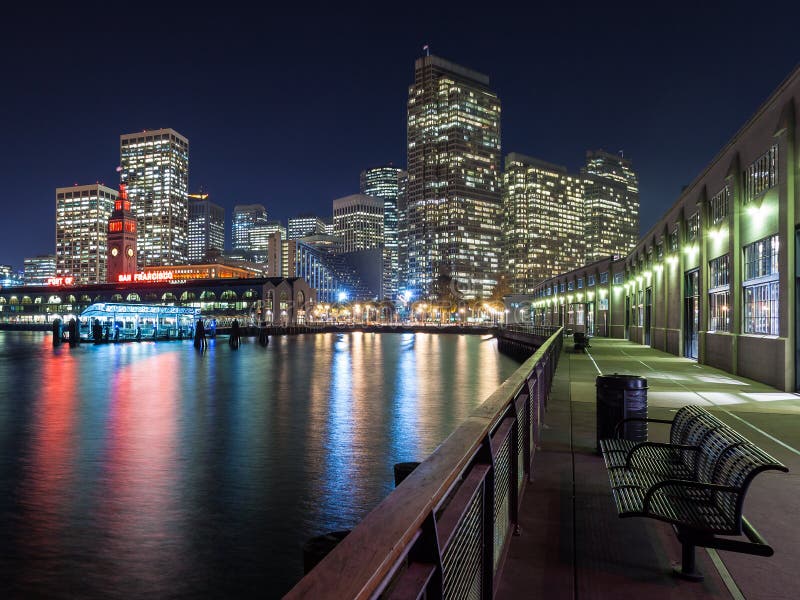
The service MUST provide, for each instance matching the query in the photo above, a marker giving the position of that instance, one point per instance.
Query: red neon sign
(153, 276)
(60, 280)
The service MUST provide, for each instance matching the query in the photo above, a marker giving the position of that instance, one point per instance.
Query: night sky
(287, 109)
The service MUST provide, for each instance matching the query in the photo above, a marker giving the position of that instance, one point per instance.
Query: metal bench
(689, 422)
(698, 486)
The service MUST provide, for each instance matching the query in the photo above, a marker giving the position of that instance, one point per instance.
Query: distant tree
(445, 295)
(501, 288)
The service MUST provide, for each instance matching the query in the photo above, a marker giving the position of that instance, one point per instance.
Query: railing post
(513, 480)
(485, 456)
(527, 454)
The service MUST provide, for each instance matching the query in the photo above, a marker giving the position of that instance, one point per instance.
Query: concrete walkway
(573, 544)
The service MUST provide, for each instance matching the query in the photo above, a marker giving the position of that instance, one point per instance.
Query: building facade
(333, 277)
(389, 184)
(543, 221)
(358, 220)
(452, 212)
(82, 214)
(305, 225)
(154, 165)
(38, 269)
(715, 280)
(206, 228)
(612, 205)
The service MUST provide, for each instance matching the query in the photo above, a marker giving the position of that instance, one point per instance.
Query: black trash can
(579, 341)
(621, 397)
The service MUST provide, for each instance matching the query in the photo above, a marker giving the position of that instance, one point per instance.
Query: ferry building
(252, 300)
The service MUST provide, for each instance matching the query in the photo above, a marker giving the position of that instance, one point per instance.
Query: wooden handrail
(363, 562)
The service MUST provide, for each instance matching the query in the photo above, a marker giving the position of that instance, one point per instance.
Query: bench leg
(688, 569)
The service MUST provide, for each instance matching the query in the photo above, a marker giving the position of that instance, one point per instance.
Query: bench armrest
(698, 485)
(644, 419)
(640, 445)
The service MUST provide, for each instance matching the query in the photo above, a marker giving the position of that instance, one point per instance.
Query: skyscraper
(358, 220)
(155, 168)
(387, 183)
(82, 213)
(206, 228)
(247, 229)
(612, 205)
(452, 210)
(543, 221)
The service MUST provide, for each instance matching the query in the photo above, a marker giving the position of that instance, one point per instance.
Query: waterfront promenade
(573, 544)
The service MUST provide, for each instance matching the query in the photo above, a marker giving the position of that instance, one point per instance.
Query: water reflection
(153, 470)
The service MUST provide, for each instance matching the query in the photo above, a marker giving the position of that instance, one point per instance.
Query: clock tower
(121, 239)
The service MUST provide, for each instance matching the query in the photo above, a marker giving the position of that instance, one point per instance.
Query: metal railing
(444, 531)
(530, 329)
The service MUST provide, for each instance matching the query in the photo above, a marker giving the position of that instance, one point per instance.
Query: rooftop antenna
(427, 49)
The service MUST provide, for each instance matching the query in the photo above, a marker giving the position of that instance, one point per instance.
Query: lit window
(719, 318)
(760, 287)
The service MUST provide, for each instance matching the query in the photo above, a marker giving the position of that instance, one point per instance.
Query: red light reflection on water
(50, 471)
(140, 502)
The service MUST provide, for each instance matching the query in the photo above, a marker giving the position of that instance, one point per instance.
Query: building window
(761, 283)
(761, 175)
(590, 280)
(571, 286)
(692, 228)
(659, 251)
(580, 283)
(719, 296)
(719, 206)
(761, 258)
(673, 240)
(604, 277)
(719, 272)
(563, 287)
(719, 311)
(761, 308)
(619, 278)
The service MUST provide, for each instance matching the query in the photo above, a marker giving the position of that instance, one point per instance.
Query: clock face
(130, 251)
(114, 252)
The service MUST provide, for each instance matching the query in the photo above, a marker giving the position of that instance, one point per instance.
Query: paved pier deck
(573, 544)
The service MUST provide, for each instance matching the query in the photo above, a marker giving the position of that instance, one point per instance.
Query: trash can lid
(622, 381)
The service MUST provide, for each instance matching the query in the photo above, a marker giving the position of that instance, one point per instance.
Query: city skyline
(651, 108)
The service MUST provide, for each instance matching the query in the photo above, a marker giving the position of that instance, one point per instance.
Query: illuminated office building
(358, 220)
(38, 269)
(155, 168)
(82, 213)
(612, 205)
(452, 211)
(387, 183)
(206, 228)
(246, 218)
(543, 221)
(305, 225)
(262, 234)
(248, 231)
